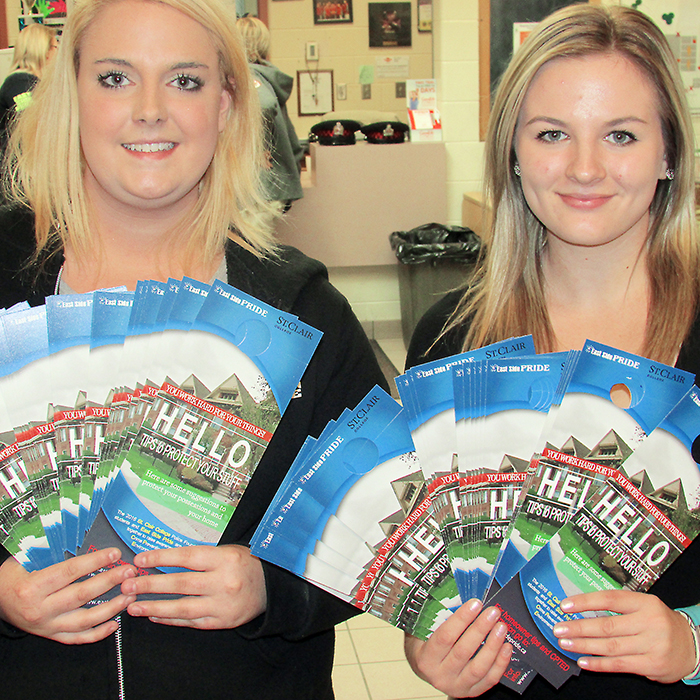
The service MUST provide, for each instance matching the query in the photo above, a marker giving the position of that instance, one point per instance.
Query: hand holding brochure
(160, 406)
(539, 486)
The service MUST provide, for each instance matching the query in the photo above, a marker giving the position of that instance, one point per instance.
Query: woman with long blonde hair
(139, 159)
(590, 188)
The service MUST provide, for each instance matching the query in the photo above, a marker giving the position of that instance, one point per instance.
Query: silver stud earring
(670, 173)
(516, 169)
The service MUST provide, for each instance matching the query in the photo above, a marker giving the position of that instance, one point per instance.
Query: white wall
(456, 66)
(374, 292)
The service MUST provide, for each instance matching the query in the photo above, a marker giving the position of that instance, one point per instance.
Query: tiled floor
(369, 659)
(370, 664)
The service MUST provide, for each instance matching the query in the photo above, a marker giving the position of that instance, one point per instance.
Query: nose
(150, 106)
(586, 165)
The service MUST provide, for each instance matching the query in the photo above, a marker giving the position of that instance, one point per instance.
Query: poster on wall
(425, 15)
(389, 23)
(326, 12)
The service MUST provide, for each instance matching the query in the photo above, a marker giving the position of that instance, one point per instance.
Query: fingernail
(560, 630)
(566, 643)
(128, 586)
(566, 604)
(135, 610)
(114, 554)
(474, 605)
(583, 663)
(493, 614)
(501, 629)
(129, 572)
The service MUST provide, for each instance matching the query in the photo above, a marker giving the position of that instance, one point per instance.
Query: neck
(131, 244)
(599, 293)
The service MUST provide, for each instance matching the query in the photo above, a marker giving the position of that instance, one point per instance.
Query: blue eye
(551, 136)
(113, 79)
(187, 82)
(621, 138)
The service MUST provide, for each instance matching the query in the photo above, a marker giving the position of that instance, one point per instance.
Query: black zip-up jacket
(287, 652)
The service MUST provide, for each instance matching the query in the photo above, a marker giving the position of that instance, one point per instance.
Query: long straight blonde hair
(506, 296)
(45, 163)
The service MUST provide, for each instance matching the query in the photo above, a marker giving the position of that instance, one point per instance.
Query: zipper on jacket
(120, 665)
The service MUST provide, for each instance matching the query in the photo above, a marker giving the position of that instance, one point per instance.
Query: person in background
(589, 178)
(35, 46)
(139, 158)
(282, 177)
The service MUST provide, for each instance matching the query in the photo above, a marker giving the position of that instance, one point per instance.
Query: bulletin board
(496, 19)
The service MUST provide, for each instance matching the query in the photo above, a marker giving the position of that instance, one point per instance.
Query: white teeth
(149, 147)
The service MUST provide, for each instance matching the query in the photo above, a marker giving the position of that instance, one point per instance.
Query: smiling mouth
(149, 147)
(585, 201)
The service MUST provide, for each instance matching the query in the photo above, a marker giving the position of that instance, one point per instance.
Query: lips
(585, 201)
(158, 147)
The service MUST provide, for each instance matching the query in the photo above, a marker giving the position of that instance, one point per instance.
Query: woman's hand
(445, 660)
(646, 637)
(224, 588)
(49, 602)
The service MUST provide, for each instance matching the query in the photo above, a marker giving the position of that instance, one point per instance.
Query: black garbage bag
(433, 242)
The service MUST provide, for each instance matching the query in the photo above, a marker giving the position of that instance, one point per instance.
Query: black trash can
(434, 259)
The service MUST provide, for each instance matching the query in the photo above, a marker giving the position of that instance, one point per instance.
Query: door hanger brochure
(500, 437)
(608, 533)
(339, 478)
(640, 521)
(69, 441)
(21, 530)
(368, 485)
(110, 318)
(120, 421)
(590, 435)
(96, 418)
(174, 346)
(25, 379)
(141, 332)
(432, 424)
(37, 446)
(231, 421)
(69, 327)
(278, 343)
(182, 478)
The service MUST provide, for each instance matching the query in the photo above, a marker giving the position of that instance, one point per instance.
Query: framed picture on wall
(332, 11)
(314, 92)
(389, 23)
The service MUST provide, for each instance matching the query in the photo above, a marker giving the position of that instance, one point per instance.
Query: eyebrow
(184, 65)
(611, 123)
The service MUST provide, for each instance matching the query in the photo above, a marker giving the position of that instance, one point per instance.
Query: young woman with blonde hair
(139, 158)
(589, 181)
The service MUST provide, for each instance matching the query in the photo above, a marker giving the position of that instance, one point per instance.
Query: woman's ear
(225, 107)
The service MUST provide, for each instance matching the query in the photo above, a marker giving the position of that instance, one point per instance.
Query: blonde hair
(506, 297)
(256, 37)
(46, 164)
(32, 48)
